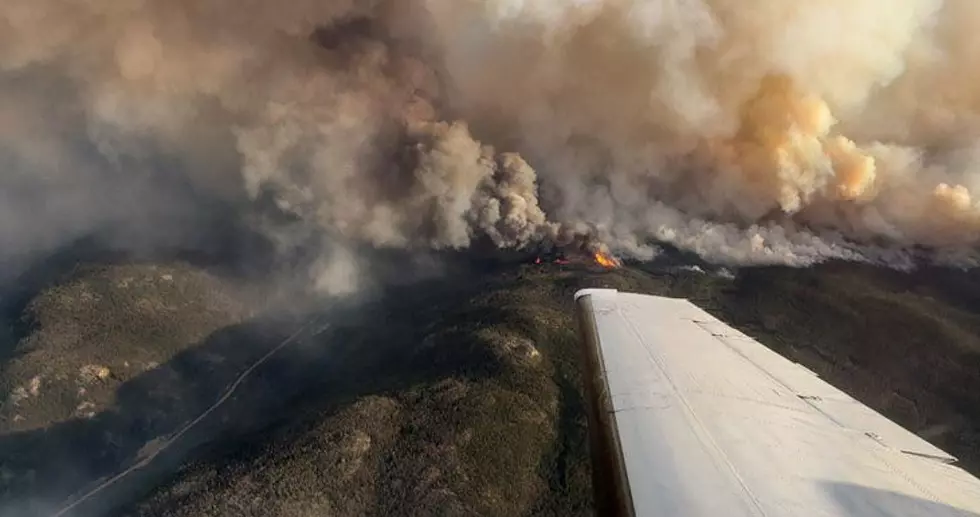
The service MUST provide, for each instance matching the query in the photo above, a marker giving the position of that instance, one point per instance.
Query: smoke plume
(750, 132)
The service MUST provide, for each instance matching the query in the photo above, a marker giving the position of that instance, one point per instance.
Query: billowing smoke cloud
(753, 131)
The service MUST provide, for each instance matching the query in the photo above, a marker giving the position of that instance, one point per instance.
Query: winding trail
(163, 446)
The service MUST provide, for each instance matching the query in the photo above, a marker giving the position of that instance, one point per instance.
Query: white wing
(690, 417)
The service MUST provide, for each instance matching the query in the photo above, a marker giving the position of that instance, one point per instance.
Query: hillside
(453, 396)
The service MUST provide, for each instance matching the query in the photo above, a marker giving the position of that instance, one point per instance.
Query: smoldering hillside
(442, 397)
(759, 132)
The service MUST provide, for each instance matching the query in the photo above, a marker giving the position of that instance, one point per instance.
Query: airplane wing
(689, 417)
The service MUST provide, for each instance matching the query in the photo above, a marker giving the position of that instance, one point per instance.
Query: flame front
(606, 260)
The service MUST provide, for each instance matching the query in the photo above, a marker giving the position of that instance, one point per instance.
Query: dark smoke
(431, 125)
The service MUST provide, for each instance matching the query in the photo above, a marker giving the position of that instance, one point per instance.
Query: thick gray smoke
(759, 131)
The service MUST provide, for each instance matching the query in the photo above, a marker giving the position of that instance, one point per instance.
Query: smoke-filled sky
(749, 131)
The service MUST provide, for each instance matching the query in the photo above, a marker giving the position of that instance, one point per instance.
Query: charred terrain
(437, 397)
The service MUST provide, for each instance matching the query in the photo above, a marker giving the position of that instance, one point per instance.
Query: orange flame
(606, 260)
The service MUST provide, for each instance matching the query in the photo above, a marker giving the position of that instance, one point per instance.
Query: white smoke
(750, 131)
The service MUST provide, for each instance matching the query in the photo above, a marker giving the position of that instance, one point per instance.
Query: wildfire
(579, 256)
(606, 260)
